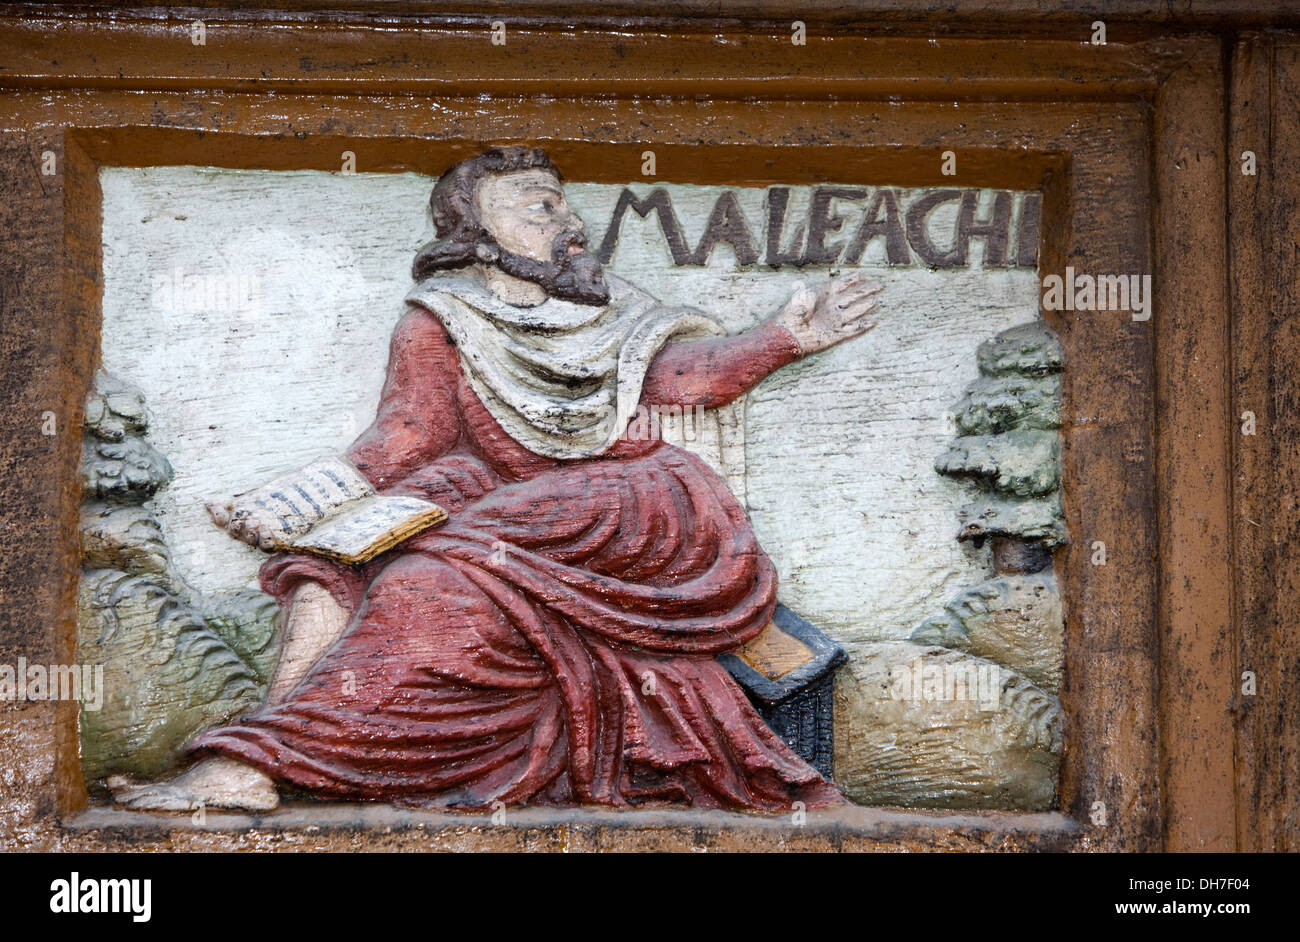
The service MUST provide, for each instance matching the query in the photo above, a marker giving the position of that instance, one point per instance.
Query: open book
(329, 509)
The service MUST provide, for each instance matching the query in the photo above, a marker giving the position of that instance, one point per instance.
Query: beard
(571, 277)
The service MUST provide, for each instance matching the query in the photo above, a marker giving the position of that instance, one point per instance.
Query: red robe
(554, 642)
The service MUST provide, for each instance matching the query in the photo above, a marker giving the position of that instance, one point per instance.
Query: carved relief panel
(793, 475)
(842, 591)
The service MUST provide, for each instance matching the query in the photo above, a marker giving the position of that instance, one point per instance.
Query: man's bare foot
(213, 783)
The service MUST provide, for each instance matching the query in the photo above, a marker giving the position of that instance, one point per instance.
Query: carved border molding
(1146, 417)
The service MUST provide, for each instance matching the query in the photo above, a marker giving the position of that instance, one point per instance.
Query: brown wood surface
(1261, 213)
(1193, 425)
(42, 372)
(351, 59)
(1147, 415)
(933, 15)
(1095, 219)
(1281, 728)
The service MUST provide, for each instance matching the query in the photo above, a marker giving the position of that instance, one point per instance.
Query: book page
(366, 528)
(291, 504)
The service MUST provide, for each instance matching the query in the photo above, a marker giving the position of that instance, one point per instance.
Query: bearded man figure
(555, 641)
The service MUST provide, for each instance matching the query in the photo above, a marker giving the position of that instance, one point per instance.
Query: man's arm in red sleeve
(717, 370)
(418, 418)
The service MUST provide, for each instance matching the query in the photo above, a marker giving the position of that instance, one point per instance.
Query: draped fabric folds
(554, 642)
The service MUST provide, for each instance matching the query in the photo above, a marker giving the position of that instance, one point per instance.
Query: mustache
(566, 240)
(571, 276)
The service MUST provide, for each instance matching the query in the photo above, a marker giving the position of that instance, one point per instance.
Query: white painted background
(255, 377)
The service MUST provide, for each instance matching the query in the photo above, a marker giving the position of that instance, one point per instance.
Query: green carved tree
(1008, 444)
(1008, 448)
(175, 662)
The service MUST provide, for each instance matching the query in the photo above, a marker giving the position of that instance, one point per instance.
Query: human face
(537, 237)
(525, 212)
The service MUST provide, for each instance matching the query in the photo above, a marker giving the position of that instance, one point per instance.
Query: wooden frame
(1125, 140)
(1265, 347)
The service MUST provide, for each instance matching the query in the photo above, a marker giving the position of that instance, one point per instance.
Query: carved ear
(486, 253)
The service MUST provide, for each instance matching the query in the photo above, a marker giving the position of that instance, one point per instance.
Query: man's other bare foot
(213, 783)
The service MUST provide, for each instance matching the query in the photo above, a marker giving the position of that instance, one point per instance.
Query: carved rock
(166, 675)
(988, 751)
(174, 661)
(126, 470)
(123, 537)
(895, 747)
(1015, 621)
(115, 409)
(117, 463)
(250, 623)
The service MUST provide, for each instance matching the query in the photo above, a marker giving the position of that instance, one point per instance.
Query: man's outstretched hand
(830, 313)
(243, 520)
